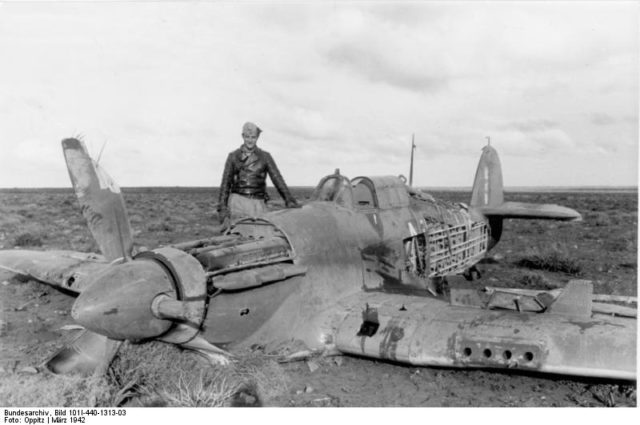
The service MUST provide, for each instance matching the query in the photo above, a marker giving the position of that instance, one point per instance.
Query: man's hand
(224, 215)
(292, 203)
(226, 223)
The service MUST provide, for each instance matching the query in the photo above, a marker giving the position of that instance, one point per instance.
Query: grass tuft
(159, 374)
(49, 390)
(159, 226)
(535, 281)
(27, 239)
(203, 389)
(555, 260)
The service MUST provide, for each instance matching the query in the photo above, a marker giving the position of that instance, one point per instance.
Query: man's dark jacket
(245, 174)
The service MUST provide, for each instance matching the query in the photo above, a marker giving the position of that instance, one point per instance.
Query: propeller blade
(101, 201)
(88, 353)
(68, 270)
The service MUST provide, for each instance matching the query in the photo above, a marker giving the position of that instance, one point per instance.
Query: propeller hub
(118, 303)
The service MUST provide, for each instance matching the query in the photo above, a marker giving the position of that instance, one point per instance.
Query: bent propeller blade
(88, 353)
(101, 201)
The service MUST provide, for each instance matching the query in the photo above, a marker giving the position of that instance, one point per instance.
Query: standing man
(243, 191)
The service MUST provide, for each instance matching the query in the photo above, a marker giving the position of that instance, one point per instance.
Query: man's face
(250, 140)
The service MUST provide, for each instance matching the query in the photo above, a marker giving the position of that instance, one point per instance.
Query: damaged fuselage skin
(368, 267)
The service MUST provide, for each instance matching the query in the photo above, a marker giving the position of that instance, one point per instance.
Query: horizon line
(585, 187)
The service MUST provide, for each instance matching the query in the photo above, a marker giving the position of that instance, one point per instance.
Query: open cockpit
(362, 193)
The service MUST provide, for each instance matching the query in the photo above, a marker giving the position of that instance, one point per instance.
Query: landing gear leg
(472, 273)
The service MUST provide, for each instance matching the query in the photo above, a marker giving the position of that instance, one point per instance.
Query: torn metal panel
(520, 303)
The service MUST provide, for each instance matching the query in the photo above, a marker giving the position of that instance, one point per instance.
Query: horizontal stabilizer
(528, 210)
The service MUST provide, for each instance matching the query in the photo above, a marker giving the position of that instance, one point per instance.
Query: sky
(159, 91)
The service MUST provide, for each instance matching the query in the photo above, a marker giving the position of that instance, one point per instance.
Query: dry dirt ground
(602, 248)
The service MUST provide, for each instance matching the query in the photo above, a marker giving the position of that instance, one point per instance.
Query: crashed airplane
(369, 266)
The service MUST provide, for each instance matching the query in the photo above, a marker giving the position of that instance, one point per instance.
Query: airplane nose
(118, 303)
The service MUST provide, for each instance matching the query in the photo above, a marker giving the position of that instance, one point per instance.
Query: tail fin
(487, 190)
(487, 185)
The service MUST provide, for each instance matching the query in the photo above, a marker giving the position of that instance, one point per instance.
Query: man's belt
(251, 195)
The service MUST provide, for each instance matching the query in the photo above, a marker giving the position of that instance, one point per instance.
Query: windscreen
(334, 188)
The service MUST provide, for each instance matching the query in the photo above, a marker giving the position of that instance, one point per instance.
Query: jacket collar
(247, 156)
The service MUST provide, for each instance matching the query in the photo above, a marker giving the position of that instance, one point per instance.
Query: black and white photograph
(318, 204)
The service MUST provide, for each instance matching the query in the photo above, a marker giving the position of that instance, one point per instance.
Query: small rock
(338, 360)
(243, 399)
(29, 369)
(329, 401)
(313, 365)
(22, 307)
(308, 389)
(71, 327)
(531, 402)
(299, 392)
(5, 282)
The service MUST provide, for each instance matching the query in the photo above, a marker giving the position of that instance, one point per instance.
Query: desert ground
(35, 320)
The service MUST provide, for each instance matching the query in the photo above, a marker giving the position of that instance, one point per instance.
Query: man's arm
(278, 182)
(225, 188)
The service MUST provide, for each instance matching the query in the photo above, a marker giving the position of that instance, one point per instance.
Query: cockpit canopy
(362, 193)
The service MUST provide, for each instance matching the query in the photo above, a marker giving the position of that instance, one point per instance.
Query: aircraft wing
(528, 210)
(68, 270)
(564, 339)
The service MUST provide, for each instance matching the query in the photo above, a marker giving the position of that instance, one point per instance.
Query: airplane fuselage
(406, 248)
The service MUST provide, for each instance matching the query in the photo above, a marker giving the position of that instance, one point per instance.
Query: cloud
(373, 46)
(378, 66)
(531, 125)
(407, 14)
(602, 119)
(307, 124)
(532, 137)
